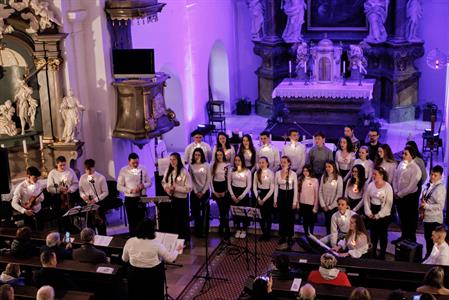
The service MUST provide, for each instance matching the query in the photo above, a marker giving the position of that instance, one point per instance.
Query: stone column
(400, 21)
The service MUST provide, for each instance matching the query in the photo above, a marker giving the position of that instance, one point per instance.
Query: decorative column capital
(54, 63)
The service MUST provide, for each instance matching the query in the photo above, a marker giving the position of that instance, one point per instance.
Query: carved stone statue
(19, 6)
(41, 8)
(4, 14)
(376, 13)
(70, 110)
(356, 58)
(294, 9)
(256, 9)
(34, 23)
(26, 105)
(7, 125)
(301, 57)
(414, 14)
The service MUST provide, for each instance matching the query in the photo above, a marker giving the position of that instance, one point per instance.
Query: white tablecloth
(324, 90)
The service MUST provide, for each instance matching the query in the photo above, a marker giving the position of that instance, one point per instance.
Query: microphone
(91, 179)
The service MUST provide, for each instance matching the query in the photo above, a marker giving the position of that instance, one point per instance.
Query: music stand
(77, 210)
(156, 200)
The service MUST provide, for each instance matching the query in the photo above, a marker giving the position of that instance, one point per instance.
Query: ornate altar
(326, 68)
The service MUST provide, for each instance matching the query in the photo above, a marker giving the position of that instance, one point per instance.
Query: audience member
(427, 296)
(328, 273)
(53, 243)
(87, 252)
(6, 292)
(22, 246)
(397, 295)
(307, 292)
(11, 275)
(360, 293)
(283, 270)
(46, 292)
(440, 250)
(434, 282)
(262, 288)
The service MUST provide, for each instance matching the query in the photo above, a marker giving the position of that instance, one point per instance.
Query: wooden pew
(29, 292)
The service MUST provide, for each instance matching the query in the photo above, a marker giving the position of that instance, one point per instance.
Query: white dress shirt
(267, 183)
(143, 253)
(406, 178)
(229, 153)
(297, 154)
(435, 203)
(87, 187)
(188, 152)
(330, 190)
(248, 155)
(182, 183)
(272, 153)
(439, 255)
(344, 163)
(23, 192)
(378, 196)
(390, 168)
(65, 178)
(240, 179)
(368, 165)
(281, 183)
(356, 248)
(201, 178)
(339, 227)
(129, 178)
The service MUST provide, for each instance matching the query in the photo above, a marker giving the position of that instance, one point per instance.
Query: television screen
(133, 63)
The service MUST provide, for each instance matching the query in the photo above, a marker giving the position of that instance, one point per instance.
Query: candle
(303, 137)
(305, 67)
(3, 145)
(41, 142)
(334, 182)
(240, 134)
(24, 146)
(290, 67)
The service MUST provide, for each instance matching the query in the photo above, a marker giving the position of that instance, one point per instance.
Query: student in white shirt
(365, 162)
(93, 190)
(199, 196)
(239, 186)
(386, 161)
(197, 143)
(349, 132)
(331, 188)
(145, 254)
(355, 186)
(345, 157)
(223, 144)
(357, 242)
(308, 187)
(132, 181)
(339, 223)
(440, 250)
(219, 187)
(263, 188)
(248, 152)
(432, 205)
(269, 151)
(27, 199)
(295, 151)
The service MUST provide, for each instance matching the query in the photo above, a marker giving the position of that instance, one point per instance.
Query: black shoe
(282, 241)
(394, 242)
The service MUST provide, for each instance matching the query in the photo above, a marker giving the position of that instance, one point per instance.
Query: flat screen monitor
(133, 63)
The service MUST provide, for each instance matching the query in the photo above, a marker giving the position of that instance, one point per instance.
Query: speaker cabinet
(5, 176)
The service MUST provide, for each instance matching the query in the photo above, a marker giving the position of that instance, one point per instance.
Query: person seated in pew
(427, 296)
(434, 282)
(360, 293)
(22, 246)
(46, 292)
(262, 288)
(282, 269)
(307, 292)
(440, 250)
(328, 273)
(53, 243)
(6, 292)
(87, 252)
(357, 242)
(339, 223)
(397, 295)
(11, 275)
(50, 275)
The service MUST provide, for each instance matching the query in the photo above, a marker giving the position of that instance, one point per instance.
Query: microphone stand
(92, 181)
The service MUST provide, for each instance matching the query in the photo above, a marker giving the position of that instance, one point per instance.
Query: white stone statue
(357, 59)
(376, 13)
(70, 110)
(7, 125)
(19, 6)
(26, 105)
(4, 14)
(301, 57)
(34, 23)
(256, 9)
(414, 14)
(41, 8)
(294, 9)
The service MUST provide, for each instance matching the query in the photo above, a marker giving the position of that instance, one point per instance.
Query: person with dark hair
(308, 188)
(295, 151)
(93, 190)
(22, 246)
(319, 154)
(224, 145)
(133, 180)
(432, 204)
(406, 193)
(328, 273)
(263, 189)
(440, 250)
(344, 157)
(378, 200)
(145, 255)
(360, 293)
(355, 187)
(6, 292)
(339, 223)
(11, 275)
(357, 242)
(286, 200)
(434, 282)
(239, 186)
(418, 160)
(397, 295)
(27, 199)
(365, 162)
(177, 183)
(197, 143)
(386, 161)
(219, 188)
(349, 132)
(262, 288)
(331, 188)
(87, 252)
(200, 194)
(373, 144)
(282, 269)
(269, 151)
(248, 152)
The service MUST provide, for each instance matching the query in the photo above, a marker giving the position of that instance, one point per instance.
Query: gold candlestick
(44, 171)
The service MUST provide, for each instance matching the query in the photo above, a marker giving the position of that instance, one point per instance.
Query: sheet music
(73, 211)
(323, 245)
(105, 270)
(169, 240)
(296, 285)
(102, 240)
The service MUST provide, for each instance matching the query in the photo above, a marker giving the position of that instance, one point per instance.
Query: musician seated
(328, 273)
(11, 276)
(434, 282)
(356, 243)
(22, 246)
(339, 223)
(27, 199)
(440, 251)
(88, 253)
(46, 292)
(53, 243)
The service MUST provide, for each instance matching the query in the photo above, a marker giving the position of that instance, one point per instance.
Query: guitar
(32, 200)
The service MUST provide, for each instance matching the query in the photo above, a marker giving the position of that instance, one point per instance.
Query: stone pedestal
(71, 152)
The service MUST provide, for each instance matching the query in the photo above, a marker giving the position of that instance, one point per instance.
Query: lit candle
(355, 189)
(240, 134)
(24, 146)
(334, 182)
(290, 67)
(201, 170)
(304, 137)
(3, 145)
(41, 142)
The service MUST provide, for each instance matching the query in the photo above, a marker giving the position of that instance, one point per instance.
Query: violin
(32, 201)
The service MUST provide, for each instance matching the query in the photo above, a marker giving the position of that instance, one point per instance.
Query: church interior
(224, 149)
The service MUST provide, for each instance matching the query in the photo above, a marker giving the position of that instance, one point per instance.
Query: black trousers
(240, 222)
(327, 219)
(428, 228)
(308, 217)
(408, 215)
(135, 212)
(286, 213)
(200, 209)
(181, 217)
(64, 223)
(99, 224)
(353, 203)
(266, 211)
(142, 281)
(35, 222)
(223, 205)
(379, 231)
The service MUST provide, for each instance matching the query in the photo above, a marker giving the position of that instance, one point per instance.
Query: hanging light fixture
(437, 59)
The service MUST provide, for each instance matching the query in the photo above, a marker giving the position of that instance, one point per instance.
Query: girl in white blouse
(385, 160)
(344, 158)
(286, 200)
(308, 198)
(223, 144)
(199, 197)
(356, 243)
(263, 188)
(378, 199)
(364, 160)
(219, 170)
(178, 184)
(239, 185)
(331, 188)
(355, 187)
(248, 152)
